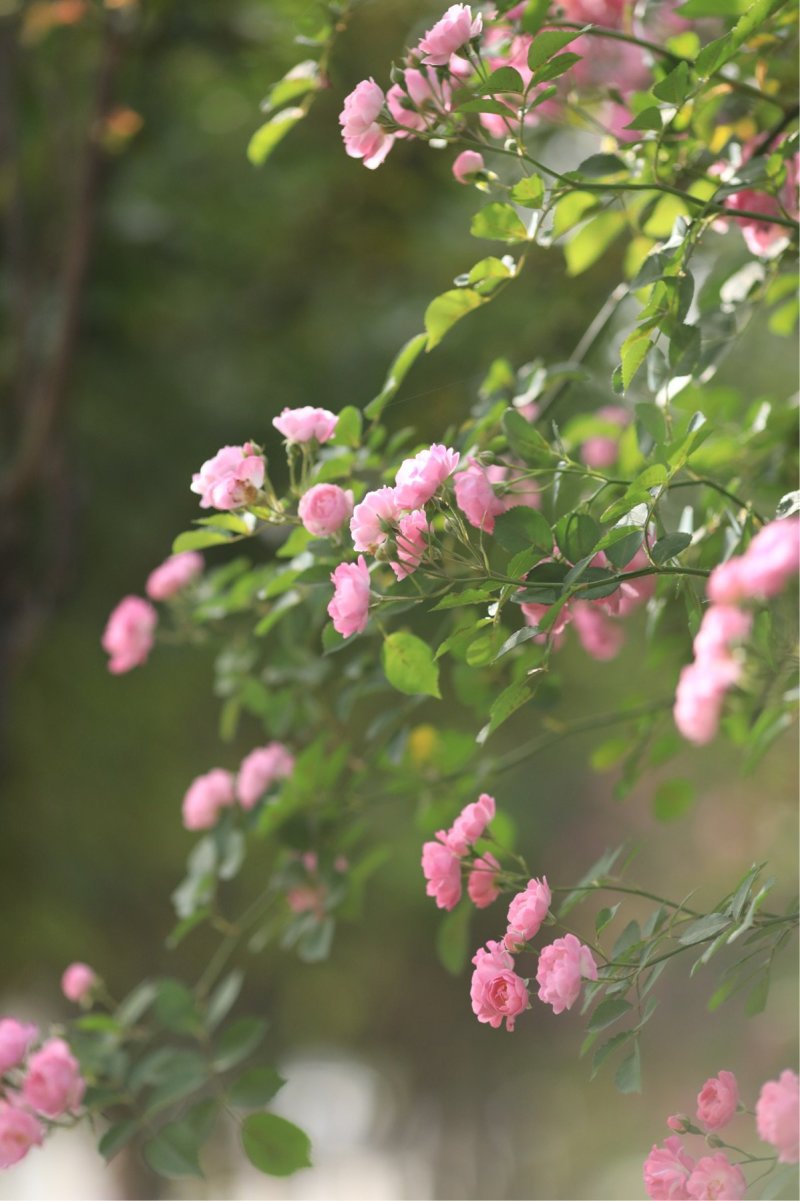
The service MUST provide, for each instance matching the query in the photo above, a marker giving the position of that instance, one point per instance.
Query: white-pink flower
(419, 478)
(470, 824)
(498, 994)
(476, 497)
(412, 543)
(450, 33)
(667, 1170)
(563, 966)
(307, 423)
(364, 136)
(231, 479)
(260, 769)
(349, 606)
(482, 887)
(324, 509)
(205, 797)
(78, 981)
(15, 1040)
(527, 911)
(19, 1131)
(467, 166)
(441, 868)
(173, 575)
(778, 1115)
(717, 1101)
(715, 1178)
(771, 560)
(129, 634)
(53, 1084)
(419, 102)
(373, 519)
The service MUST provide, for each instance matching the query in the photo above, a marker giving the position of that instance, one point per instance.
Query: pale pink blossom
(418, 103)
(610, 13)
(441, 867)
(527, 911)
(173, 575)
(306, 424)
(231, 479)
(498, 994)
(717, 1101)
(600, 637)
(470, 824)
(418, 479)
(600, 451)
(449, 34)
(205, 797)
(482, 886)
(467, 166)
(19, 1131)
(667, 1170)
(307, 898)
(373, 519)
(533, 614)
(763, 236)
(412, 543)
(364, 136)
(608, 63)
(78, 981)
(348, 609)
(679, 1122)
(722, 625)
(129, 634)
(778, 1115)
(476, 498)
(53, 1084)
(698, 704)
(703, 684)
(260, 769)
(15, 1039)
(770, 562)
(324, 509)
(563, 965)
(715, 1178)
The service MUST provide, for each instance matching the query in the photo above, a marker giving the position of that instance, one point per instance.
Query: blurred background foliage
(214, 295)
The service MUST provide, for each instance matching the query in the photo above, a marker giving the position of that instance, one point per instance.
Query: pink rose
(667, 1170)
(301, 425)
(364, 137)
(467, 166)
(307, 898)
(417, 479)
(324, 509)
(526, 913)
(419, 103)
(498, 994)
(173, 575)
(15, 1039)
(205, 797)
(633, 593)
(610, 13)
(717, 1101)
(562, 966)
(260, 769)
(600, 637)
(778, 1115)
(722, 625)
(476, 498)
(78, 981)
(19, 1131)
(600, 451)
(761, 236)
(450, 33)
(470, 824)
(412, 543)
(231, 479)
(128, 637)
(482, 886)
(373, 519)
(771, 560)
(698, 705)
(349, 607)
(441, 867)
(53, 1084)
(714, 1176)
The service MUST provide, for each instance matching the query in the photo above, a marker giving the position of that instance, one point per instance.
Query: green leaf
(303, 78)
(187, 1072)
(467, 596)
(504, 79)
(782, 1182)
(651, 418)
(510, 699)
(633, 352)
(525, 440)
(604, 918)
(705, 927)
(255, 1088)
(673, 798)
(136, 1003)
(597, 166)
(675, 87)
(348, 427)
(546, 44)
(602, 1053)
(236, 1043)
(445, 310)
(608, 1012)
(275, 1146)
(554, 69)
(409, 665)
(267, 137)
(117, 1137)
(592, 241)
(628, 1077)
(499, 223)
(452, 939)
(669, 546)
(175, 1007)
(629, 937)
(174, 1152)
(648, 118)
(529, 192)
(577, 535)
(522, 528)
(199, 540)
(224, 998)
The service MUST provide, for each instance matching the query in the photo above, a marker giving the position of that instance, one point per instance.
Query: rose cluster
(130, 630)
(35, 1085)
(218, 789)
(672, 1174)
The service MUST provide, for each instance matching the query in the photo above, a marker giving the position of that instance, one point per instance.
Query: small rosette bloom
(324, 509)
(15, 1039)
(715, 1178)
(305, 424)
(599, 636)
(441, 868)
(231, 479)
(778, 1115)
(78, 981)
(526, 913)
(53, 1084)
(498, 994)
(414, 105)
(470, 824)
(467, 166)
(364, 137)
(260, 769)
(412, 543)
(482, 887)
(476, 497)
(563, 966)
(349, 606)
(173, 575)
(19, 1131)
(702, 685)
(667, 1170)
(771, 560)
(419, 478)
(129, 634)
(717, 1101)
(205, 797)
(449, 34)
(373, 519)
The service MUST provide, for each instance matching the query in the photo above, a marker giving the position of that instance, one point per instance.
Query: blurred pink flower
(470, 824)
(307, 423)
(412, 543)
(364, 137)
(173, 575)
(348, 609)
(476, 498)
(129, 634)
(53, 1084)
(450, 33)
(204, 798)
(715, 1177)
(78, 981)
(467, 165)
(667, 1170)
(19, 1131)
(441, 867)
(778, 1115)
(15, 1039)
(260, 769)
(717, 1101)
(482, 882)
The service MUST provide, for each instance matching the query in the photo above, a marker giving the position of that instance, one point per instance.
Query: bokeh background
(214, 295)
